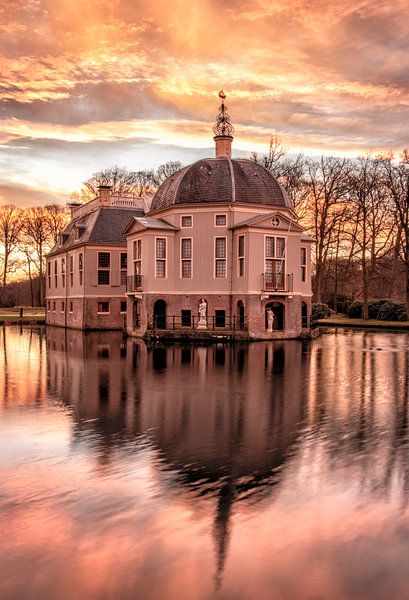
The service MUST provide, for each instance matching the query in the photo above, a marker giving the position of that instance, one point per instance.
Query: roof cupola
(223, 130)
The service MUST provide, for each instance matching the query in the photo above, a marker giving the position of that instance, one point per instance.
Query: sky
(88, 84)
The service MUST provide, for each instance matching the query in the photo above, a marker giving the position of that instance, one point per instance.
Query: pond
(270, 470)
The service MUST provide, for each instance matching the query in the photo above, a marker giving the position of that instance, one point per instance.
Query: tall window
(80, 267)
(123, 259)
(240, 255)
(104, 264)
(275, 260)
(49, 274)
(303, 264)
(220, 257)
(160, 257)
(186, 257)
(137, 257)
(71, 270)
(55, 273)
(63, 271)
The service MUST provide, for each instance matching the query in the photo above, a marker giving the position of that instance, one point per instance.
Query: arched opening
(304, 315)
(136, 314)
(240, 314)
(277, 309)
(159, 314)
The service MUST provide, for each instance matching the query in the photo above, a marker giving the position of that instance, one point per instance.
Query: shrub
(374, 306)
(392, 311)
(356, 310)
(319, 310)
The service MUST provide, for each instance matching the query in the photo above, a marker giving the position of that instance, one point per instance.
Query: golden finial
(222, 95)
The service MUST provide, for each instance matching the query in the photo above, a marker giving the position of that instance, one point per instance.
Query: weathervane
(223, 127)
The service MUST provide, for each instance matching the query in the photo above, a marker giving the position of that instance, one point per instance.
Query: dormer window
(79, 230)
(63, 238)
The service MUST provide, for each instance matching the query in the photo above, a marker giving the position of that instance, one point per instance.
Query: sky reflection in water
(274, 470)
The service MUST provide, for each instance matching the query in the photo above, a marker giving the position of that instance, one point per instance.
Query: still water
(278, 470)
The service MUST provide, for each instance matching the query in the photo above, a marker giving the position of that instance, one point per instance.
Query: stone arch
(159, 314)
(240, 315)
(304, 315)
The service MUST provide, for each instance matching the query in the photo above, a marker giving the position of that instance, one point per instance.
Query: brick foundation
(254, 313)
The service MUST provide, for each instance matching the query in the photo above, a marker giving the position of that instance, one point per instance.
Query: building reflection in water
(221, 417)
(271, 434)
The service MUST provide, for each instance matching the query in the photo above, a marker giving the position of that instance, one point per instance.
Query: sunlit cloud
(324, 77)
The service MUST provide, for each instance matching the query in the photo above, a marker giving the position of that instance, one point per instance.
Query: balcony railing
(189, 322)
(277, 282)
(134, 283)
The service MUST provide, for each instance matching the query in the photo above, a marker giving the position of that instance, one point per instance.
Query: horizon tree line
(357, 211)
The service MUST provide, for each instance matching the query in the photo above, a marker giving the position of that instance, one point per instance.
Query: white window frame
(241, 257)
(186, 226)
(186, 259)
(283, 258)
(135, 259)
(220, 215)
(104, 268)
(161, 237)
(216, 237)
(303, 265)
(104, 312)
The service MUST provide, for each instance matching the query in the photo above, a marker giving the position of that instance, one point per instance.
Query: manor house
(218, 252)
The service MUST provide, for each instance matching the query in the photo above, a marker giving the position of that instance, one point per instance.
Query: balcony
(278, 283)
(133, 283)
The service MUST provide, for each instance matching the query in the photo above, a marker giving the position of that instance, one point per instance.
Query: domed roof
(221, 180)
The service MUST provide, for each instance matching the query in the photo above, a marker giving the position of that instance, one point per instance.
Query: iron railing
(277, 282)
(134, 283)
(190, 322)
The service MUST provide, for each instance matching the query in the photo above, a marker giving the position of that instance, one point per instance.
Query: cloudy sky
(86, 84)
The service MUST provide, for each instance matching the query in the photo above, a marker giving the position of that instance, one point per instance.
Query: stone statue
(270, 320)
(202, 314)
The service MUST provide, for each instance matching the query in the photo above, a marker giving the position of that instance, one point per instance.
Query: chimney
(104, 194)
(73, 206)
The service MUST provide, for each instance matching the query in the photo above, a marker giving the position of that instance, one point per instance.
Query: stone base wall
(254, 312)
(84, 313)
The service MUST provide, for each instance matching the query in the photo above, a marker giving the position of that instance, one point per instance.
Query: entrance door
(159, 314)
(278, 310)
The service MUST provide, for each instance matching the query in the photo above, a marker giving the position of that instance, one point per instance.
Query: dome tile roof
(221, 180)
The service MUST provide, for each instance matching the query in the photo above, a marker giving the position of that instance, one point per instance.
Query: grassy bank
(343, 321)
(29, 315)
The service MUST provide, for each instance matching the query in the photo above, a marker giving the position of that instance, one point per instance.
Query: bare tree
(58, 217)
(396, 179)
(10, 227)
(39, 236)
(125, 182)
(369, 215)
(276, 152)
(166, 170)
(327, 180)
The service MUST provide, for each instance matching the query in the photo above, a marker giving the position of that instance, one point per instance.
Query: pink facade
(86, 271)
(237, 287)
